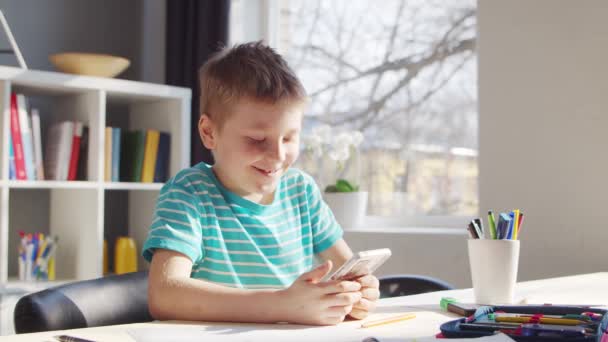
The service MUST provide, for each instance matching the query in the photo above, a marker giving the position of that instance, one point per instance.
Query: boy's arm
(173, 295)
(338, 253)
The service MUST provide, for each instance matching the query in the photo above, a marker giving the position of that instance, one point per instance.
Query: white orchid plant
(338, 147)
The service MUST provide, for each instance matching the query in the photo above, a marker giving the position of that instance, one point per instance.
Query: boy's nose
(276, 152)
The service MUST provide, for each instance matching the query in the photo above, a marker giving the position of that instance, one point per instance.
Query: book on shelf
(82, 169)
(11, 160)
(150, 155)
(127, 155)
(139, 151)
(66, 151)
(75, 150)
(20, 172)
(162, 161)
(108, 155)
(115, 154)
(26, 137)
(37, 134)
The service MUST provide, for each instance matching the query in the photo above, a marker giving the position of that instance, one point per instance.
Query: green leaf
(344, 186)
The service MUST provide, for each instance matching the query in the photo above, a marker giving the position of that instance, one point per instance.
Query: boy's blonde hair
(248, 71)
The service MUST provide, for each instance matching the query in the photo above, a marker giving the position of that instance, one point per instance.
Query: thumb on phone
(315, 275)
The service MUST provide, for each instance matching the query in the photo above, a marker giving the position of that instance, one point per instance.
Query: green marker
(492, 224)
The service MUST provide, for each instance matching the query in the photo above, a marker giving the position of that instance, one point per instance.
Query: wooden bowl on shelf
(90, 64)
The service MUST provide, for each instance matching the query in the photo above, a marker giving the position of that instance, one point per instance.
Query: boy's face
(255, 146)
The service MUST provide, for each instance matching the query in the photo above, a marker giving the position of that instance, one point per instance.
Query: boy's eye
(255, 140)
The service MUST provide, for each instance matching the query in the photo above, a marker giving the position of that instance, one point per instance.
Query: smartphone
(362, 263)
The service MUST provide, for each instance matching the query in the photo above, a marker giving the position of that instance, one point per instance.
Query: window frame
(266, 27)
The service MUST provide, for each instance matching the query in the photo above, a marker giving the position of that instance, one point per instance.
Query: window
(404, 73)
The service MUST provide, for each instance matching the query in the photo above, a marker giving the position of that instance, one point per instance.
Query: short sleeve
(325, 229)
(176, 225)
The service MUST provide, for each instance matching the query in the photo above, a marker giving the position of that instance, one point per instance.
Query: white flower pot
(348, 207)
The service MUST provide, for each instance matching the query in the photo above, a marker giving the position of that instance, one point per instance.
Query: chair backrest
(410, 284)
(118, 299)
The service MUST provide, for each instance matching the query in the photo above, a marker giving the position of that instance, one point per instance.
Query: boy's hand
(369, 295)
(307, 301)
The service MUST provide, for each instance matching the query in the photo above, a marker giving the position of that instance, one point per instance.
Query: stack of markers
(508, 227)
(37, 256)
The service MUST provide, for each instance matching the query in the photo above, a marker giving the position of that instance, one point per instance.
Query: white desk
(581, 289)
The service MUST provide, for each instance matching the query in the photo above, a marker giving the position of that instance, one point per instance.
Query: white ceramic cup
(494, 266)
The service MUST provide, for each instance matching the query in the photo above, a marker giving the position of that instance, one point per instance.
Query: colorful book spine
(115, 154)
(37, 134)
(127, 154)
(75, 151)
(11, 160)
(108, 155)
(26, 138)
(138, 158)
(65, 148)
(17, 144)
(162, 161)
(150, 154)
(82, 168)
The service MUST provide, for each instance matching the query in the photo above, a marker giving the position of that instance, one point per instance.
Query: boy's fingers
(368, 281)
(341, 286)
(346, 298)
(365, 305)
(339, 311)
(358, 314)
(317, 273)
(370, 293)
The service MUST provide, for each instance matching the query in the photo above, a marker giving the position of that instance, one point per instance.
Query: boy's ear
(206, 130)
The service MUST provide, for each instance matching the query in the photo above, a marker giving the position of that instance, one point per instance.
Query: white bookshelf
(74, 210)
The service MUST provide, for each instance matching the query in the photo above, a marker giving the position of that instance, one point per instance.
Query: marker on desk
(515, 223)
(480, 225)
(492, 225)
(388, 320)
(504, 223)
(472, 231)
(66, 338)
(521, 220)
(477, 229)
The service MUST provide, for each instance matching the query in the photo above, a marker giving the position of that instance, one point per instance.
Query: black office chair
(118, 299)
(409, 284)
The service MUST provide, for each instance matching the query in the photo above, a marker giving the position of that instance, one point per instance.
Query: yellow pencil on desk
(546, 320)
(387, 320)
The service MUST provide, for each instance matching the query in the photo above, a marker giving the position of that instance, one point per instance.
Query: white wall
(543, 95)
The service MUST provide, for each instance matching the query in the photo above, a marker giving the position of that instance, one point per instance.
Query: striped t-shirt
(236, 242)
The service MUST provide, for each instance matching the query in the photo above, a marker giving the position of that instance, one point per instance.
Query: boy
(234, 242)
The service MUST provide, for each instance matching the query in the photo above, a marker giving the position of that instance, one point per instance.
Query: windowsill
(425, 225)
(407, 230)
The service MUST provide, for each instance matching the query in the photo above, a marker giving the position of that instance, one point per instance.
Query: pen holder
(494, 265)
(125, 255)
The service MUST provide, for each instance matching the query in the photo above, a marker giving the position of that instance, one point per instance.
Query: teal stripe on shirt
(236, 242)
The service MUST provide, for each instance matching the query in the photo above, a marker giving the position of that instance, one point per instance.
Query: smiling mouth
(267, 172)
